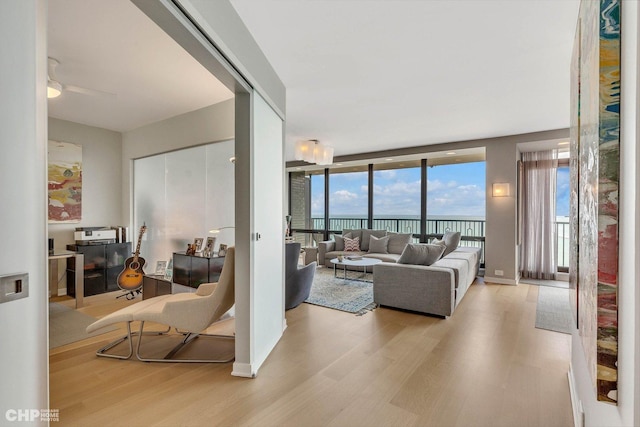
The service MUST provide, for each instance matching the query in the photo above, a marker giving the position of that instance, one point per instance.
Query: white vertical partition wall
(23, 137)
(268, 221)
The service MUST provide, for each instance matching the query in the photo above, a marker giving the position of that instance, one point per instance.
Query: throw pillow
(378, 245)
(421, 254)
(451, 240)
(366, 237)
(397, 242)
(340, 241)
(352, 233)
(352, 245)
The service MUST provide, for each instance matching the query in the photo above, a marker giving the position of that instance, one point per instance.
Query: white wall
(101, 181)
(501, 214)
(627, 413)
(23, 137)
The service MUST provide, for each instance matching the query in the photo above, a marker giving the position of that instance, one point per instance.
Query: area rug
(67, 325)
(552, 283)
(348, 295)
(553, 311)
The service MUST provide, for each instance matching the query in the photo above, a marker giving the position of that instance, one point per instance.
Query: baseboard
(576, 404)
(244, 370)
(500, 280)
(62, 291)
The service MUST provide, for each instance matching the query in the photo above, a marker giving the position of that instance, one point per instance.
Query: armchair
(189, 313)
(298, 281)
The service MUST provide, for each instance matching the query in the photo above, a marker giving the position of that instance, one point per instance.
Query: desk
(53, 273)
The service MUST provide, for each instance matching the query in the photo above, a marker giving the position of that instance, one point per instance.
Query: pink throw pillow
(352, 245)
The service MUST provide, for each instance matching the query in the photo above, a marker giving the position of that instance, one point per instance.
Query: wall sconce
(501, 189)
(312, 151)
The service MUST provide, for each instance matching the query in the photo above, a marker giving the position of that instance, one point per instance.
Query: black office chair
(298, 281)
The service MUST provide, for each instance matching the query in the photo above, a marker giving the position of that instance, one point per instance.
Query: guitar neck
(136, 254)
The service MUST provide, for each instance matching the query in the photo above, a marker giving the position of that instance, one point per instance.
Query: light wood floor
(487, 365)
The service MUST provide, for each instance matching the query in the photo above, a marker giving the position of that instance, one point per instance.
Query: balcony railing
(472, 231)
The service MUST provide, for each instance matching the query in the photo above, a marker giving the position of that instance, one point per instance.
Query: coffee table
(363, 262)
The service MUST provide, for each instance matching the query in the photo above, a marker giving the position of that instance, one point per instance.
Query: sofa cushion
(451, 240)
(421, 254)
(378, 245)
(366, 237)
(352, 245)
(397, 242)
(340, 241)
(393, 258)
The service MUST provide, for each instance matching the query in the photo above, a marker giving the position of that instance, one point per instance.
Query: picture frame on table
(208, 248)
(161, 268)
(168, 272)
(222, 250)
(198, 243)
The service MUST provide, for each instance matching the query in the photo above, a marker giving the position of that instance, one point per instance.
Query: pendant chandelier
(311, 151)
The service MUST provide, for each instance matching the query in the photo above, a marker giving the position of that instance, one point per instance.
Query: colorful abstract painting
(65, 182)
(596, 146)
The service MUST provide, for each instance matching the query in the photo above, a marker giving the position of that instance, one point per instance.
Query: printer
(94, 235)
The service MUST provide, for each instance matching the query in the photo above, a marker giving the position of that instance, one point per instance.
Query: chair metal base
(103, 351)
(188, 338)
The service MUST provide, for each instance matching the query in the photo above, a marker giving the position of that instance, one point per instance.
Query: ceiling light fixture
(451, 153)
(564, 143)
(217, 230)
(54, 89)
(311, 151)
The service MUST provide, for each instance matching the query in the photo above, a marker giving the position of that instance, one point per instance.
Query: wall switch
(499, 273)
(14, 286)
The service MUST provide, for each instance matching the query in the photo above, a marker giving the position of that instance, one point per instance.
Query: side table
(154, 285)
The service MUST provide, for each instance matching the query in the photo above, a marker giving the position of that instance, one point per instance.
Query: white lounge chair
(189, 313)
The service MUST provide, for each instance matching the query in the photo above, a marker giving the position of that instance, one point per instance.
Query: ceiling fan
(55, 87)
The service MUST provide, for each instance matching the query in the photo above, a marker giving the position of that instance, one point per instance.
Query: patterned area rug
(67, 325)
(348, 295)
(553, 311)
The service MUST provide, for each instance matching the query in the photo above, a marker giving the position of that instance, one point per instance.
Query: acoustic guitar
(130, 278)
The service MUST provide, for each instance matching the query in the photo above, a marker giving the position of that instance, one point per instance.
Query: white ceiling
(113, 47)
(373, 75)
(361, 75)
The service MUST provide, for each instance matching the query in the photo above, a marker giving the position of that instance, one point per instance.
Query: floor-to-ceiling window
(562, 215)
(397, 196)
(456, 194)
(348, 198)
(425, 197)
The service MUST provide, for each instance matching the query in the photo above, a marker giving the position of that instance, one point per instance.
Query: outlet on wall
(498, 272)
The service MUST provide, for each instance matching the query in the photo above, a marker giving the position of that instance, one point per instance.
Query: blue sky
(452, 190)
(562, 198)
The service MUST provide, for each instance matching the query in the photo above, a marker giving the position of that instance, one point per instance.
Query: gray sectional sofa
(396, 243)
(434, 289)
(426, 278)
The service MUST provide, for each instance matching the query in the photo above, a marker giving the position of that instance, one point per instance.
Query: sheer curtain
(539, 241)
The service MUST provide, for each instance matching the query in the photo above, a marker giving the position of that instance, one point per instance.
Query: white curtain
(539, 240)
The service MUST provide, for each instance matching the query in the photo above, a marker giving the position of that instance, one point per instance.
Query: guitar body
(130, 278)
